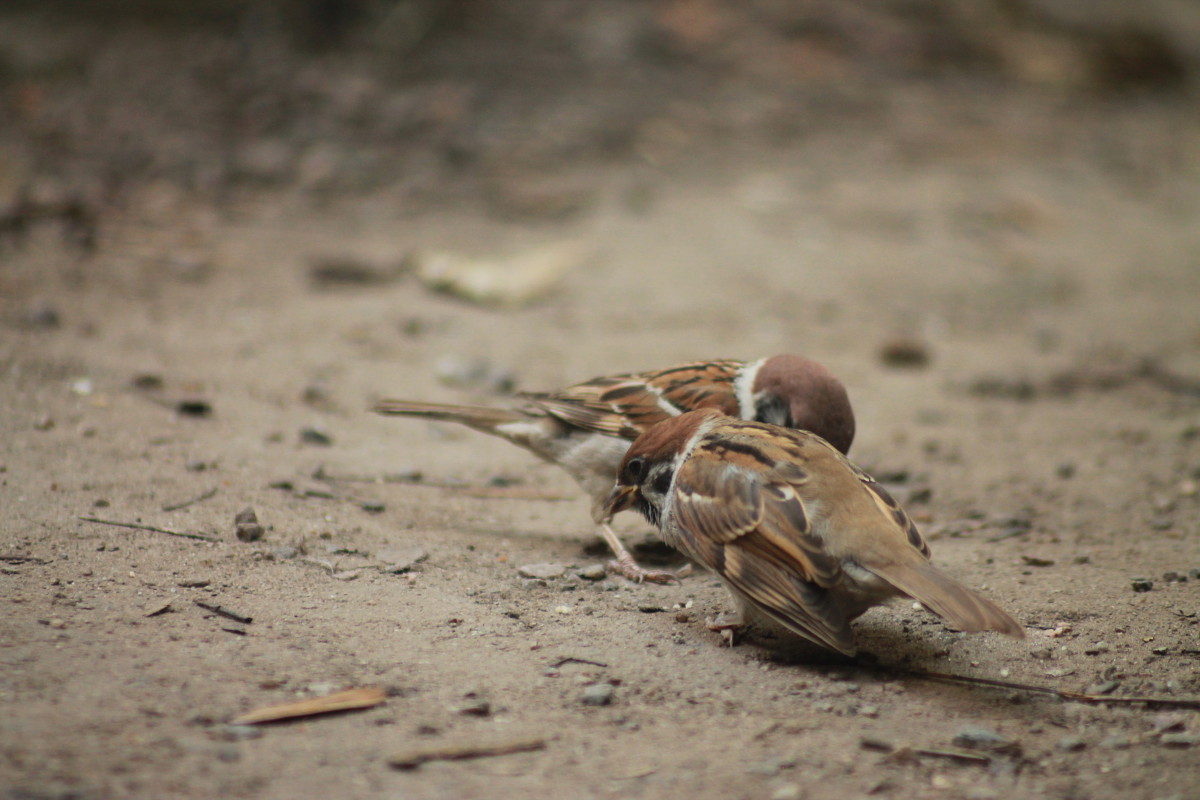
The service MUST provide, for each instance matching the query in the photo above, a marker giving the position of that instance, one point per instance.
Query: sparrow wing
(911, 573)
(891, 509)
(628, 405)
(747, 523)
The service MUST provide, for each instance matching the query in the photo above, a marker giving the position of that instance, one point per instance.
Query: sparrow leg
(624, 563)
(728, 625)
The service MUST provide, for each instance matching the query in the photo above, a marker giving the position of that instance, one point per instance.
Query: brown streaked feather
(946, 597)
(479, 417)
(584, 407)
(756, 536)
(781, 515)
(888, 505)
(630, 404)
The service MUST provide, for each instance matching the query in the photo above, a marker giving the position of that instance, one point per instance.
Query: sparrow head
(796, 392)
(648, 469)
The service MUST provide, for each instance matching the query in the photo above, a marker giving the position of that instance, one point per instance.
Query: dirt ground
(208, 272)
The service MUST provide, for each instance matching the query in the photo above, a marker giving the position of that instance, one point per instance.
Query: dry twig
(138, 526)
(415, 758)
(200, 499)
(348, 700)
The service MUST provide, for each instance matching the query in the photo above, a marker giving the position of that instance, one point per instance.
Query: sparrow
(586, 428)
(803, 539)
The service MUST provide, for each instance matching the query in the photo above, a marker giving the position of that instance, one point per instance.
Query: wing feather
(755, 534)
(628, 405)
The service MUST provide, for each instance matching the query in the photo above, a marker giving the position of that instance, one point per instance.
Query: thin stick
(151, 528)
(957, 755)
(224, 612)
(348, 700)
(574, 660)
(1062, 694)
(176, 506)
(415, 758)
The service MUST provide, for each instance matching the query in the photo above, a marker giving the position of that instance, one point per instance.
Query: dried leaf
(511, 282)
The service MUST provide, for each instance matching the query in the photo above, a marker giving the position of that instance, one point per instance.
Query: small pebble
(373, 506)
(1096, 649)
(247, 527)
(1065, 470)
(543, 571)
(476, 708)
(1141, 584)
(147, 381)
(904, 351)
(42, 316)
(598, 694)
(401, 559)
(1070, 744)
(650, 608)
(593, 572)
(875, 743)
(284, 552)
(316, 437)
(1180, 740)
(43, 423)
(194, 408)
(981, 739)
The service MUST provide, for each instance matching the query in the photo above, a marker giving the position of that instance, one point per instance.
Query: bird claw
(630, 569)
(728, 625)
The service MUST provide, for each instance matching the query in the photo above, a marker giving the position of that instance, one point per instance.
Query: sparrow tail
(481, 418)
(949, 599)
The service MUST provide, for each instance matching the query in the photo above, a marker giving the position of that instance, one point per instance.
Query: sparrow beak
(618, 500)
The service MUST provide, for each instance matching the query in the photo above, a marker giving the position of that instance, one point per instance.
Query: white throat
(669, 501)
(743, 388)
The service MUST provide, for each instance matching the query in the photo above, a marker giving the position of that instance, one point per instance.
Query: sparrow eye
(635, 468)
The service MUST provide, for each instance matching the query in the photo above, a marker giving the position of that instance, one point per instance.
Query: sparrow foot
(625, 565)
(630, 569)
(728, 625)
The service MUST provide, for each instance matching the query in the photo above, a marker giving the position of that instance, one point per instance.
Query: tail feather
(481, 418)
(963, 608)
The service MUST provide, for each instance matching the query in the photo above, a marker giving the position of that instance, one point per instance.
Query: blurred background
(875, 182)
(505, 103)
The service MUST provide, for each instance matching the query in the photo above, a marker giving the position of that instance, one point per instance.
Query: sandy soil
(1038, 244)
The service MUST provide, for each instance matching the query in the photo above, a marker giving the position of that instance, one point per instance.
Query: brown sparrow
(801, 537)
(586, 428)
